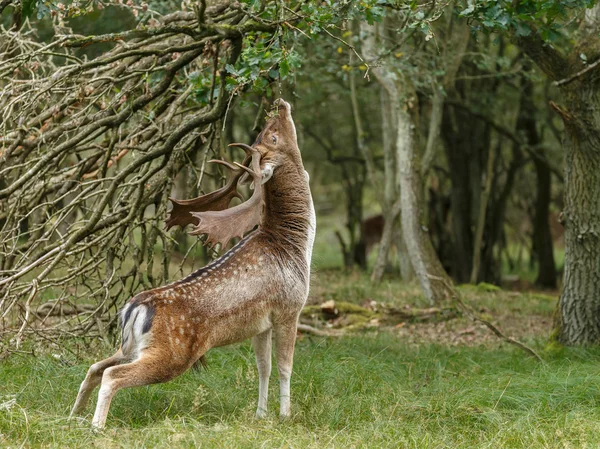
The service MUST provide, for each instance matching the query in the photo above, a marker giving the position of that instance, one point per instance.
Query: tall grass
(369, 390)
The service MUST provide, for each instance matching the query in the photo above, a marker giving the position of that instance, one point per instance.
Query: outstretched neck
(289, 214)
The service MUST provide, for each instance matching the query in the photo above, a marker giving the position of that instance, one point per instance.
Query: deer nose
(282, 104)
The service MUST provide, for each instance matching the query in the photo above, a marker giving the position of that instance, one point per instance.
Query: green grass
(368, 390)
(378, 388)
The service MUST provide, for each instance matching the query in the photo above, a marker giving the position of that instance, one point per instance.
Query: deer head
(277, 142)
(275, 145)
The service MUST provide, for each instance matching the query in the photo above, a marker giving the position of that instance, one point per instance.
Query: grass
(435, 385)
(369, 390)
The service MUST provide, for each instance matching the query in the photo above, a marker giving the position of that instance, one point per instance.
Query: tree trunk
(489, 174)
(490, 270)
(578, 317)
(579, 303)
(460, 148)
(542, 237)
(407, 273)
(390, 209)
(456, 34)
(434, 281)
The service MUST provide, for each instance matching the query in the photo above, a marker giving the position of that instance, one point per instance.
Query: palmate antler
(209, 212)
(180, 214)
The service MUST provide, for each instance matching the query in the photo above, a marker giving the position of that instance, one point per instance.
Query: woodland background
(453, 149)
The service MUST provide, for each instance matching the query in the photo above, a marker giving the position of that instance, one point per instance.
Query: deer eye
(274, 138)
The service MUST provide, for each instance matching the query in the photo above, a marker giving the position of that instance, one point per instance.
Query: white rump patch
(134, 338)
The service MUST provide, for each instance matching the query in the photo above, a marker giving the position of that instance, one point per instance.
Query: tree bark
(390, 208)
(481, 219)
(542, 237)
(407, 272)
(579, 303)
(425, 261)
(578, 317)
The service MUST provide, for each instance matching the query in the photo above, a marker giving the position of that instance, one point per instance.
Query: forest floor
(446, 384)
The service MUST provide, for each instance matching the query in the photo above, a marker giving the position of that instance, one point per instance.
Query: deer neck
(289, 214)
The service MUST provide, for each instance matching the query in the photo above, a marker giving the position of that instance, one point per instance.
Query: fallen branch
(422, 315)
(349, 315)
(472, 314)
(319, 332)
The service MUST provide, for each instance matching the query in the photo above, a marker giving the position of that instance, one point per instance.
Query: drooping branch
(89, 150)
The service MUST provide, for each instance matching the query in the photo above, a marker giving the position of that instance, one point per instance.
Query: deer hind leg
(262, 348)
(93, 379)
(148, 369)
(285, 339)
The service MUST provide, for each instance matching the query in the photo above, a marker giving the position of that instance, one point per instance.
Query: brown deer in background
(371, 231)
(257, 288)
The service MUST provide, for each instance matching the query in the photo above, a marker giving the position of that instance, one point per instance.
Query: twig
(571, 78)
(353, 48)
(70, 212)
(34, 290)
(297, 29)
(4, 4)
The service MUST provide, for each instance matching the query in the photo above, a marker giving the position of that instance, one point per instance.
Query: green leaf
(467, 11)
(28, 7)
(284, 68)
(231, 69)
(522, 29)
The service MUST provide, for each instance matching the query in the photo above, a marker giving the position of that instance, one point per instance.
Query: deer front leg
(285, 339)
(262, 348)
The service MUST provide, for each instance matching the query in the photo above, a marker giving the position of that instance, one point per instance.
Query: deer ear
(222, 226)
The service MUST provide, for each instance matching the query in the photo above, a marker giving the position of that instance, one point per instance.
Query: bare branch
(89, 150)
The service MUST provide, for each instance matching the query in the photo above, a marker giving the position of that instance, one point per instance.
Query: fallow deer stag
(255, 289)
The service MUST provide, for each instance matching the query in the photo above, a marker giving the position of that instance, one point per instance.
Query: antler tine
(247, 148)
(233, 167)
(251, 152)
(222, 226)
(218, 200)
(248, 170)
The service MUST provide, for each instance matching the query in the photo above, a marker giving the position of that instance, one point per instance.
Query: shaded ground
(523, 315)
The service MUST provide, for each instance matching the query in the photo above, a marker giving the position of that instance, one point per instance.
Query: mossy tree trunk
(578, 314)
(434, 281)
(579, 305)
